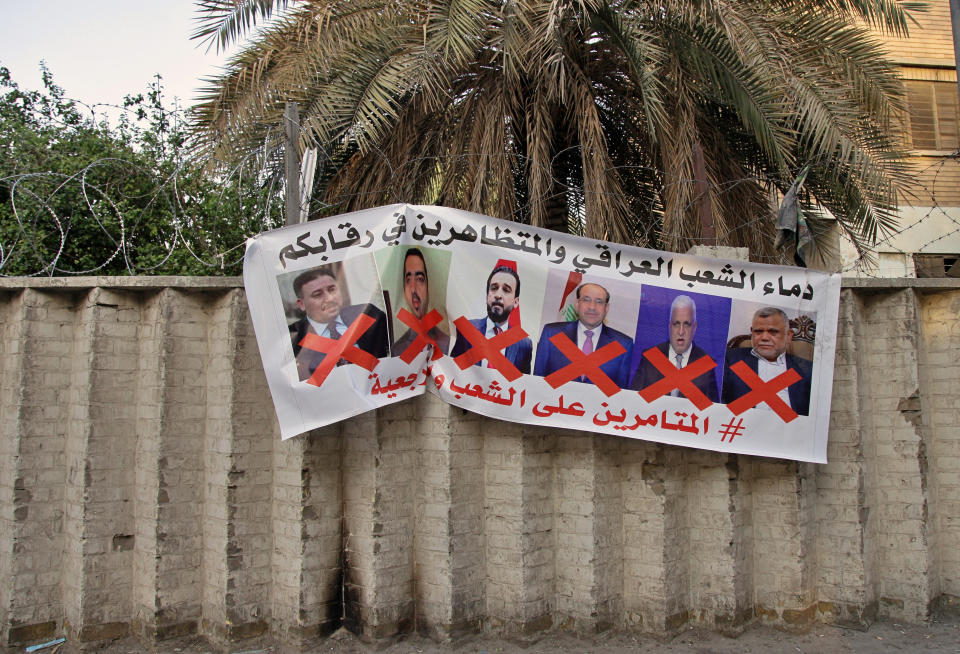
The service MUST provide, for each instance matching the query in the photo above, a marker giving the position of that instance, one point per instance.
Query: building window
(937, 265)
(934, 115)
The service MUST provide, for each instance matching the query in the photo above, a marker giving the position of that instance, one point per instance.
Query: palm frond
(222, 22)
(574, 113)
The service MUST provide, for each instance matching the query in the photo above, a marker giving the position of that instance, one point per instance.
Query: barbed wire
(40, 224)
(173, 214)
(943, 214)
(96, 220)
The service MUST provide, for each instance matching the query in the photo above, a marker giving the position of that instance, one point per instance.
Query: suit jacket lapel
(481, 325)
(303, 328)
(603, 338)
(794, 389)
(349, 314)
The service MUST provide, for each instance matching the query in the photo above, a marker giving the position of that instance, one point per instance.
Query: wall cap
(149, 282)
(212, 283)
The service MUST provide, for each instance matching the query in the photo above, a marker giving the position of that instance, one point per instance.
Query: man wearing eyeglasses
(589, 333)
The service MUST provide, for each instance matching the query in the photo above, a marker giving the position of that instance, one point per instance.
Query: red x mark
(761, 391)
(482, 348)
(584, 365)
(679, 378)
(420, 327)
(341, 348)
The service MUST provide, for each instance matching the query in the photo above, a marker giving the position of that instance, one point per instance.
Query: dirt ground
(939, 635)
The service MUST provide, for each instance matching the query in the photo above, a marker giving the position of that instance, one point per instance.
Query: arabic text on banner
(523, 324)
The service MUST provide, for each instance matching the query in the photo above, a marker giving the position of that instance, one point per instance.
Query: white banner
(523, 324)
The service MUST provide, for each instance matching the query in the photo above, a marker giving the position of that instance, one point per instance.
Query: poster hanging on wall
(361, 310)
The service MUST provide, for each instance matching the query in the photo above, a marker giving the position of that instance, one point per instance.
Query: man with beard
(770, 335)
(416, 293)
(318, 296)
(503, 297)
(680, 350)
(589, 333)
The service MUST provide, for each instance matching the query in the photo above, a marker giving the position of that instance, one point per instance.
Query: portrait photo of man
(589, 332)
(503, 299)
(320, 298)
(416, 296)
(770, 336)
(680, 350)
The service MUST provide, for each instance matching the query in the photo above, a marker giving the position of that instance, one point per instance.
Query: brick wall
(144, 490)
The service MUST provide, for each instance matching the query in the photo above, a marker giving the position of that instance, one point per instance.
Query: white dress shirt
(684, 358)
(582, 336)
(322, 328)
(767, 370)
(491, 333)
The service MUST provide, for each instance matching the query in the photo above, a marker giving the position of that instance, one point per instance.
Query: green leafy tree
(79, 195)
(575, 113)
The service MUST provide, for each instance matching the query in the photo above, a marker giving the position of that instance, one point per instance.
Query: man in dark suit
(680, 350)
(769, 335)
(589, 333)
(416, 293)
(318, 296)
(503, 297)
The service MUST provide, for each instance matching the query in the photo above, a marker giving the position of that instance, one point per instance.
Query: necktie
(335, 335)
(676, 392)
(588, 342)
(587, 347)
(496, 331)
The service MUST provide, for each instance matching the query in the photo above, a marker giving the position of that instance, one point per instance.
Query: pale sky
(101, 50)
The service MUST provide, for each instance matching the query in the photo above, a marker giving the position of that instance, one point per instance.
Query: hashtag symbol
(732, 430)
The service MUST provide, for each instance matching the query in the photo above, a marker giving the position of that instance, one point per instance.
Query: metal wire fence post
(291, 162)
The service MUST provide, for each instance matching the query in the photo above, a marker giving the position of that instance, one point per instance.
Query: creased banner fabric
(523, 324)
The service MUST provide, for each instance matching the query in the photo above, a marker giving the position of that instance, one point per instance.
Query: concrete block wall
(144, 490)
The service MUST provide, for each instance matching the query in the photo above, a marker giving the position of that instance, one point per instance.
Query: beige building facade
(927, 243)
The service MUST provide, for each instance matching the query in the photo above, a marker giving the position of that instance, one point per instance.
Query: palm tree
(581, 114)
